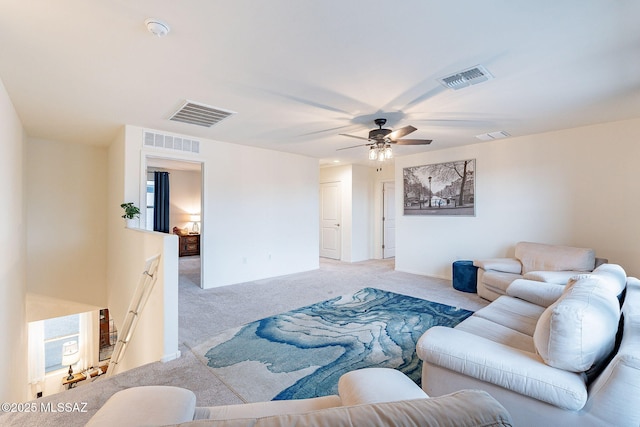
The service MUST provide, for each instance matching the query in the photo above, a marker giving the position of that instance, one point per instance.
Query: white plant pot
(133, 223)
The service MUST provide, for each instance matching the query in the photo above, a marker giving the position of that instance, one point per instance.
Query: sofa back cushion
(579, 329)
(613, 277)
(538, 256)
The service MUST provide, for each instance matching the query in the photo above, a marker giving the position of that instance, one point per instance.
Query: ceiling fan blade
(399, 133)
(354, 146)
(413, 141)
(354, 136)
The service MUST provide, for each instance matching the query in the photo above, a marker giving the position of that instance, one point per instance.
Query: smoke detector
(157, 27)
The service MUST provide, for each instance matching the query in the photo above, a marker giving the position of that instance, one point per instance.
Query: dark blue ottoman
(465, 276)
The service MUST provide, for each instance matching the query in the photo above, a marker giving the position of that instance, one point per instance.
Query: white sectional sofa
(366, 397)
(572, 360)
(533, 261)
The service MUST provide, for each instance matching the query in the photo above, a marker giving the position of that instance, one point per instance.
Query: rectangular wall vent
(492, 135)
(170, 142)
(200, 114)
(465, 78)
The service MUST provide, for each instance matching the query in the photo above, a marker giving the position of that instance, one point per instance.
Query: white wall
(13, 257)
(362, 213)
(156, 334)
(260, 210)
(66, 216)
(575, 187)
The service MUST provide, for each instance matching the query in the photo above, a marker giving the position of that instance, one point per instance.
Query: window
(150, 199)
(57, 331)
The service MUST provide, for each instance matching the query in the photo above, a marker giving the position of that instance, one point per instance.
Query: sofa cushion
(497, 333)
(466, 408)
(513, 313)
(498, 281)
(538, 256)
(539, 293)
(579, 329)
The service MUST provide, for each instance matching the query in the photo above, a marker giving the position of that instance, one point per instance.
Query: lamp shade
(195, 217)
(70, 353)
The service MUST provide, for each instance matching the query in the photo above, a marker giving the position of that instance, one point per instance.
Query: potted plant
(131, 212)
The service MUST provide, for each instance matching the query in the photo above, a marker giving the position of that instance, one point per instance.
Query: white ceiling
(300, 72)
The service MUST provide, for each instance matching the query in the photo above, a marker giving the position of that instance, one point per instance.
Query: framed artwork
(440, 189)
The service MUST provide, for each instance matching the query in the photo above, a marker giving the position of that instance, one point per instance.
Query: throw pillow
(579, 329)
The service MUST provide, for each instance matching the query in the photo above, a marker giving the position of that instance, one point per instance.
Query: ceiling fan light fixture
(373, 153)
(388, 152)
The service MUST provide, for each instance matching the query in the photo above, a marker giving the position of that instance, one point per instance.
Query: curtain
(86, 341)
(161, 202)
(36, 352)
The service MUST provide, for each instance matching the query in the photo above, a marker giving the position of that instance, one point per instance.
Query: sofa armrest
(516, 370)
(506, 265)
(375, 385)
(538, 293)
(555, 277)
(146, 405)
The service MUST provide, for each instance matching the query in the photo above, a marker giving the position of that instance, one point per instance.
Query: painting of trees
(440, 189)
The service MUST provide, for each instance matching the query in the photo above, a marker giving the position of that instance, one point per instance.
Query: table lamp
(70, 356)
(195, 218)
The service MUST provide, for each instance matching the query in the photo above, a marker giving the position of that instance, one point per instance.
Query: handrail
(139, 299)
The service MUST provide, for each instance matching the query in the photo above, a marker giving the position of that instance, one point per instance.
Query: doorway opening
(388, 220)
(186, 195)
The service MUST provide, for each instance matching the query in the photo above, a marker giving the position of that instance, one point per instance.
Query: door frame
(143, 198)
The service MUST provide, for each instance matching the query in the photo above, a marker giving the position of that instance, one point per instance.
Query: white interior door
(330, 218)
(388, 220)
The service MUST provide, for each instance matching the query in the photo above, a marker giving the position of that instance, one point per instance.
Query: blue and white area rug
(303, 353)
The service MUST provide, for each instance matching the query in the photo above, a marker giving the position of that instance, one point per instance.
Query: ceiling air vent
(199, 114)
(471, 76)
(493, 135)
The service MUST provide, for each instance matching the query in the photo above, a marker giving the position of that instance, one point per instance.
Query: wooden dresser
(189, 245)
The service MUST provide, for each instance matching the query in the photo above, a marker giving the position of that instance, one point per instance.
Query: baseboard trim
(169, 357)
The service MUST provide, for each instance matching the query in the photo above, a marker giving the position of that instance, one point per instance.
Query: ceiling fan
(381, 140)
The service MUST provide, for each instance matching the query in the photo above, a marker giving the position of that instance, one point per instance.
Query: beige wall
(186, 187)
(574, 187)
(66, 213)
(13, 258)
